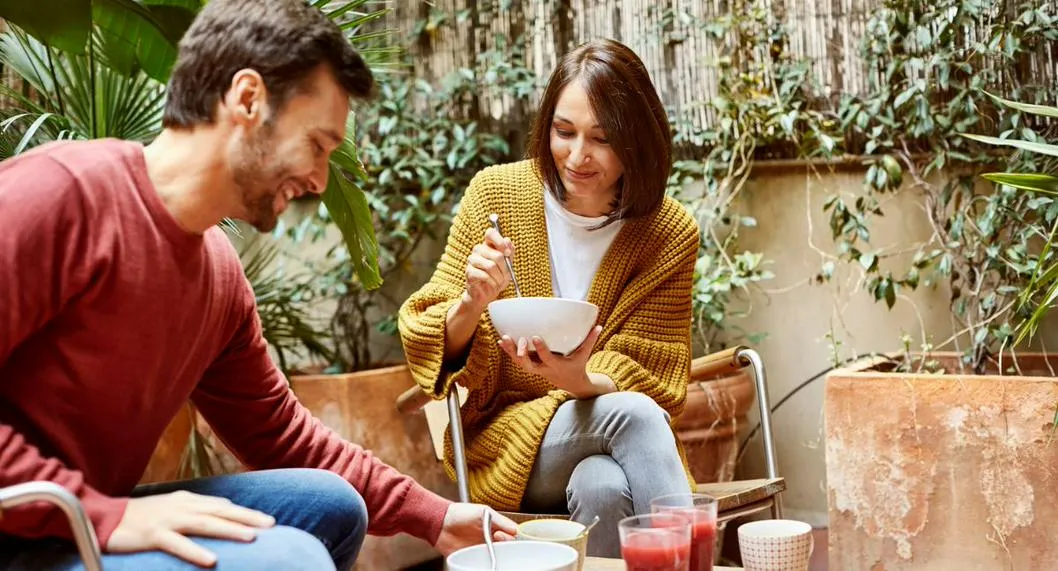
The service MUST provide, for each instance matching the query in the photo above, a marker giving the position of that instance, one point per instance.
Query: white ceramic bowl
(516, 556)
(561, 323)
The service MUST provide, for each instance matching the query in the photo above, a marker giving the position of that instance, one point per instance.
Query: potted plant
(935, 454)
(760, 112)
(63, 98)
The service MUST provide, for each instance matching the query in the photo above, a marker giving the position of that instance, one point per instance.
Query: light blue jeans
(321, 521)
(607, 456)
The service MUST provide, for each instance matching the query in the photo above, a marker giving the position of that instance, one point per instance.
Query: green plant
(104, 78)
(128, 35)
(929, 64)
(419, 155)
(96, 68)
(763, 110)
(285, 299)
(1038, 296)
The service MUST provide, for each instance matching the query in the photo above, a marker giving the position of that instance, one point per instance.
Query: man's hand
(567, 373)
(462, 528)
(163, 523)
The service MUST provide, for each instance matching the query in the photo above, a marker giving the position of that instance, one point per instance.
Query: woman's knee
(637, 408)
(598, 481)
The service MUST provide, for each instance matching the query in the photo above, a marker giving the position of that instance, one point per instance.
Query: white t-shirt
(576, 251)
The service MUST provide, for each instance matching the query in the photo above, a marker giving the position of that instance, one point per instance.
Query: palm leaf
(352, 17)
(285, 321)
(65, 24)
(1026, 181)
(137, 34)
(29, 58)
(1032, 147)
(142, 37)
(31, 132)
(1047, 279)
(347, 206)
(93, 100)
(1044, 110)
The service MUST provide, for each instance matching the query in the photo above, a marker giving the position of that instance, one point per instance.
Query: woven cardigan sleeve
(421, 319)
(651, 350)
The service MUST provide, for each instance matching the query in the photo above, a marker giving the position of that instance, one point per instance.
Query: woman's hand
(487, 277)
(568, 373)
(486, 270)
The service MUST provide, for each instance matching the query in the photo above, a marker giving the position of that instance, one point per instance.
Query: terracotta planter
(168, 454)
(361, 408)
(712, 420)
(942, 472)
(169, 462)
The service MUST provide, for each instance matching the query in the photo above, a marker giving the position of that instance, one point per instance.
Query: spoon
(588, 528)
(486, 526)
(494, 219)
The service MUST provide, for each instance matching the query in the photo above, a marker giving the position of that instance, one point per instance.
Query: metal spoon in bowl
(486, 527)
(587, 528)
(494, 219)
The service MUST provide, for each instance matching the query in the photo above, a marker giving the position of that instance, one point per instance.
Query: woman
(585, 217)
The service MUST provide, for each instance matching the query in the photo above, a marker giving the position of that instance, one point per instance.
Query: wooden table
(599, 564)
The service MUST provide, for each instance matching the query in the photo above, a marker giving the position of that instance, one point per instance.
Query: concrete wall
(809, 326)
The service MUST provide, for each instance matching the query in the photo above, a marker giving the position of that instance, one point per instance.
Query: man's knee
(275, 549)
(598, 481)
(341, 510)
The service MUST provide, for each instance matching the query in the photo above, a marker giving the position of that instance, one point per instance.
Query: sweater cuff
(104, 512)
(424, 348)
(625, 373)
(477, 368)
(423, 513)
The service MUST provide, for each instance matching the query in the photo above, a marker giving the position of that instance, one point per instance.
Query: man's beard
(258, 181)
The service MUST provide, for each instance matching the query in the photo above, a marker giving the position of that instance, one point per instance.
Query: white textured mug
(775, 545)
(561, 531)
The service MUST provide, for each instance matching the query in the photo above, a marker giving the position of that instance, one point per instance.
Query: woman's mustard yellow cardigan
(643, 291)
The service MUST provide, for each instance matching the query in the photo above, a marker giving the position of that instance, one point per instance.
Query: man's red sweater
(111, 317)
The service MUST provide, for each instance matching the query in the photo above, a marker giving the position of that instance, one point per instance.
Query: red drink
(700, 510)
(657, 550)
(703, 541)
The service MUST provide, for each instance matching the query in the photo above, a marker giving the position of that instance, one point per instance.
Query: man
(121, 298)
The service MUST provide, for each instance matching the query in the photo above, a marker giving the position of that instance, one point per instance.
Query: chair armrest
(42, 491)
(714, 364)
(412, 400)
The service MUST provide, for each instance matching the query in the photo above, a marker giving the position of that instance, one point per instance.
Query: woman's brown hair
(628, 109)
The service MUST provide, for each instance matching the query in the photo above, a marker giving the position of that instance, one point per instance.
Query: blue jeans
(321, 521)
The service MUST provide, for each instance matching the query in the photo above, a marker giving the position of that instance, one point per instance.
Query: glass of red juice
(656, 542)
(701, 509)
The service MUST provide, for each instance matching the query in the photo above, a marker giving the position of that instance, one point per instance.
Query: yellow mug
(561, 531)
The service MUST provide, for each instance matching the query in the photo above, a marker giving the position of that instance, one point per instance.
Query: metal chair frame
(83, 532)
(728, 360)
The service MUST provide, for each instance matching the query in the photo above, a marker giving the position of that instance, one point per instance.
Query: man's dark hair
(283, 40)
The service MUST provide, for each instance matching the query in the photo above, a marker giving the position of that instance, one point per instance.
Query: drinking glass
(656, 542)
(701, 509)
